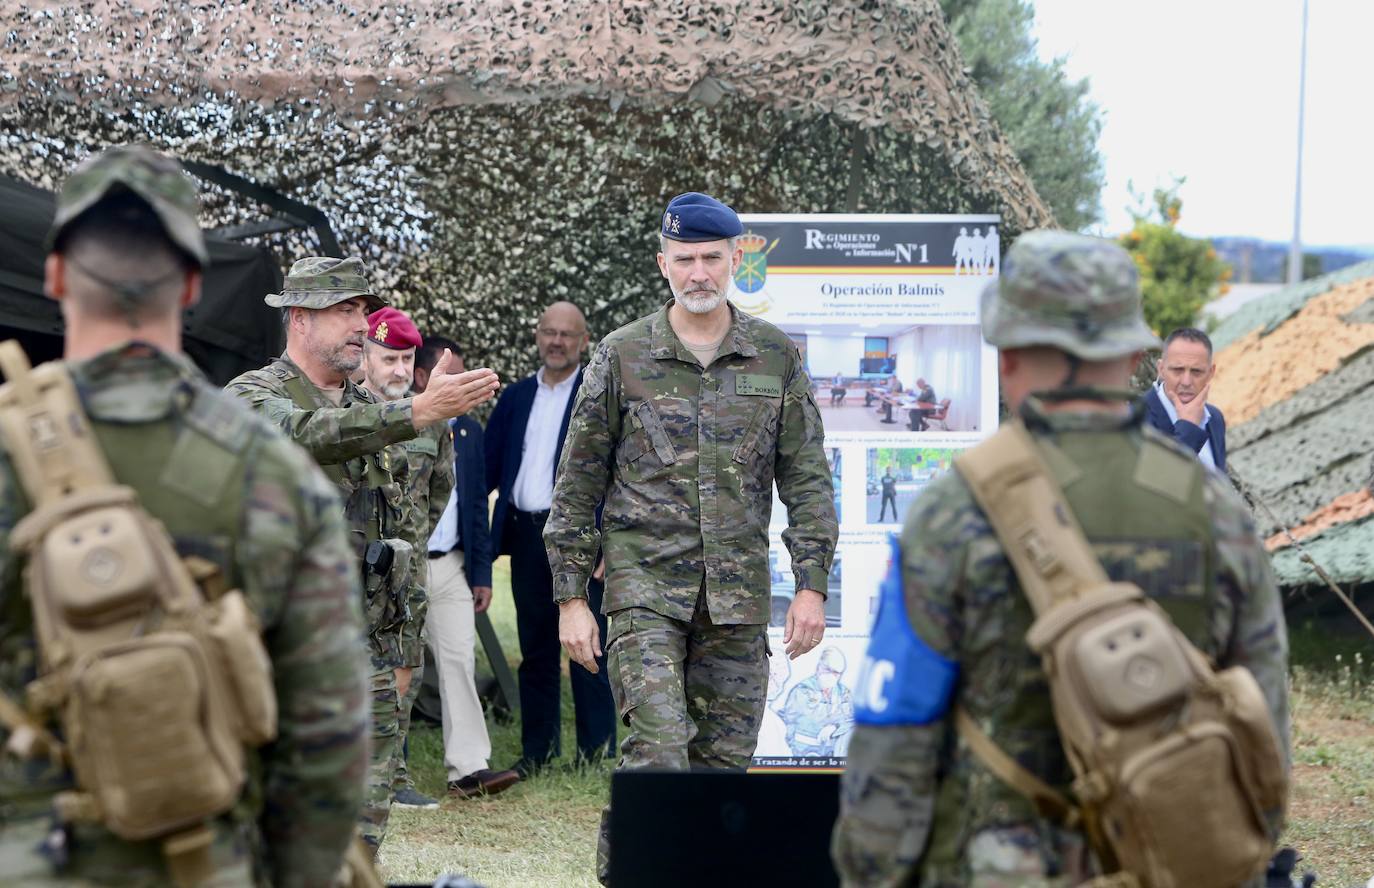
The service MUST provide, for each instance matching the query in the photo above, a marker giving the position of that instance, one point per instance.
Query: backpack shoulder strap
(46, 432)
(1026, 508)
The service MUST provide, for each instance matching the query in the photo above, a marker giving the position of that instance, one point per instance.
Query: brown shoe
(483, 782)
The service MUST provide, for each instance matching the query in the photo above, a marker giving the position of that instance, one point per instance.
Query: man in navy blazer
(1177, 403)
(459, 589)
(523, 441)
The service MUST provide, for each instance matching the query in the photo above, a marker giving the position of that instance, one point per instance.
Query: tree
(1050, 122)
(1178, 274)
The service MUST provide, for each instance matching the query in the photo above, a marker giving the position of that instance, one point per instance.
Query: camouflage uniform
(359, 444)
(430, 457)
(274, 528)
(917, 807)
(685, 459)
(818, 718)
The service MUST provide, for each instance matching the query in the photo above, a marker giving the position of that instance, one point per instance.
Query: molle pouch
(386, 604)
(149, 739)
(1183, 813)
(234, 633)
(100, 567)
(1247, 714)
(1131, 665)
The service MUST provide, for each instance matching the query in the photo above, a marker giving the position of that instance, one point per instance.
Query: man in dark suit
(1177, 403)
(459, 589)
(523, 441)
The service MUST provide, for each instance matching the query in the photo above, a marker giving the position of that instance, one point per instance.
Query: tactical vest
(152, 681)
(1151, 728)
(1142, 507)
(373, 507)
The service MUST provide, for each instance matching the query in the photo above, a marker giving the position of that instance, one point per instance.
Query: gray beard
(698, 302)
(336, 360)
(394, 392)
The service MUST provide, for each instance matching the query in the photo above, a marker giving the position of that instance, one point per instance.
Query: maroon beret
(391, 328)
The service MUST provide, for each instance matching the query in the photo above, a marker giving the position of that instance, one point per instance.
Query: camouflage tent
(488, 157)
(1296, 379)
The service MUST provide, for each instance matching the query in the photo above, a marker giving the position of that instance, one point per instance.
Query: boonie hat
(155, 178)
(1072, 292)
(320, 281)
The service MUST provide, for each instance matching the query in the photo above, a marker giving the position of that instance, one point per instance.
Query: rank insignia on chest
(758, 384)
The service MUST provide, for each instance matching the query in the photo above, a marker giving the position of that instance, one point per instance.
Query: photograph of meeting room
(894, 376)
(896, 476)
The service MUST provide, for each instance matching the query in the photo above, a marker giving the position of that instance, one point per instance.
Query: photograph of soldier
(125, 255)
(899, 376)
(917, 807)
(819, 711)
(357, 440)
(896, 475)
(684, 422)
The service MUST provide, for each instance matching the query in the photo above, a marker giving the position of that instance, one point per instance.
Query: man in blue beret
(684, 421)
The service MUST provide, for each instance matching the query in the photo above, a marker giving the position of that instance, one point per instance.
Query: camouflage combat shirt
(359, 430)
(917, 807)
(231, 489)
(430, 455)
(685, 458)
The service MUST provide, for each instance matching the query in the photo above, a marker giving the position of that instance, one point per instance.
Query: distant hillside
(1257, 261)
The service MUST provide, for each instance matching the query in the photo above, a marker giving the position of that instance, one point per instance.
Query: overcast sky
(1208, 89)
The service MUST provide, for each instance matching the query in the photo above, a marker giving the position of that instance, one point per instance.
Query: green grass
(543, 832)
(1331, 805)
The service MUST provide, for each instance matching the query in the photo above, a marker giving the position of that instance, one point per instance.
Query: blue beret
(694, 217)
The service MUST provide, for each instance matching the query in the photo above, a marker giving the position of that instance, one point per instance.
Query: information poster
(884, 311)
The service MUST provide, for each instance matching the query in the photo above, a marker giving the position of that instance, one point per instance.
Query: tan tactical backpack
(155, 673)
(1175, 762)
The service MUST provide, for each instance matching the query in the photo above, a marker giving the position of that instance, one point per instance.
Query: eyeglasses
(569, 335)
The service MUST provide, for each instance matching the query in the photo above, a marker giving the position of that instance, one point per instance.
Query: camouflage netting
(1295, 375)
(487, 158)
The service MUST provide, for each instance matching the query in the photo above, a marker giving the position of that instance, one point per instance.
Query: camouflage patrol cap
(1068, 291)
(155, 178)
(320, 281)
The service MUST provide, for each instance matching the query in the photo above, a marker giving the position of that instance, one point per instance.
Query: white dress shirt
(445, 535)
(533, 490)
(1205, 454)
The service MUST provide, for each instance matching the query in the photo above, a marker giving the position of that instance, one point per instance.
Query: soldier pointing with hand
(356, 437)
(684, 421)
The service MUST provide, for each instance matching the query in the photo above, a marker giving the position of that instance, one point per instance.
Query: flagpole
(1295, 248)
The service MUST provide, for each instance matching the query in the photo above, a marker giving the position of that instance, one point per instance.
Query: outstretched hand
(452, 394)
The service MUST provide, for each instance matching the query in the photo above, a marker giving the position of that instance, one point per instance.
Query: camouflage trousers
(381, 768)
(401, 778)
(691, 694)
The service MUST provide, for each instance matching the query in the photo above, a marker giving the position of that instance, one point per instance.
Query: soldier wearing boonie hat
(152, 180)
(124, 254)
(683, 422)
(322, 282)
(358, 439)
(952, 623)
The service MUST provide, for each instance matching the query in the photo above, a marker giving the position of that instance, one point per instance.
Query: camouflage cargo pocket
(646, 451)
(625, 664)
